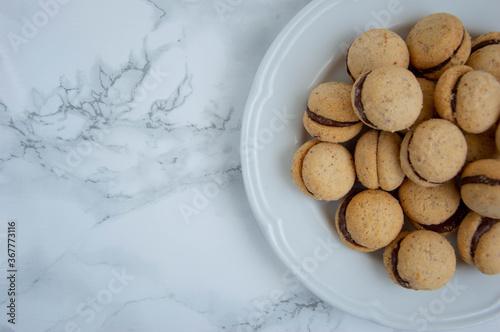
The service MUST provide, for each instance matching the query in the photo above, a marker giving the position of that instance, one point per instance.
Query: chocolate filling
(442, 64)
(480, 179)
(328, 122)
(484, 226)
(485, 43)
(357, 99)
(342, 218)
(453, 101)
(394, 262)
(451, 223)
(411, 165)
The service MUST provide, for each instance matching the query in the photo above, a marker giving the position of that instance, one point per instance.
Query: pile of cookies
(426, 110)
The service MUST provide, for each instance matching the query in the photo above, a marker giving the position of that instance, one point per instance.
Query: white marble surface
(119, 163)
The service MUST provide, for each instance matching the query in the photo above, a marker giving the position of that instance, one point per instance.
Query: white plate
(310, 50)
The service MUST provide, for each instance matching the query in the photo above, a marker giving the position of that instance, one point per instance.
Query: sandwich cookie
(376, 158)
(478, 242)
(376, 48)
(298, 160)
(437, 209)
(445, 94)
(433, 153)
(436, 43)
(481, 187)
(485, 54)
(329, 115)
(368, 220)
(469, 98)
(323, 170)
(420, 260)
(387, 98)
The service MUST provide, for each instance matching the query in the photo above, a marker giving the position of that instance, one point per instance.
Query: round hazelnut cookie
(433, 153)
(329, 115)
(437, 42)
(446, 90)
(478, 242)
(469, 98)
(297, 161)
(323, 170)
(376, 48)
(485, 54)
(376, 158)
(368, 220)
(437, 209)
(481, 187)
(387, 98)
(420, 260)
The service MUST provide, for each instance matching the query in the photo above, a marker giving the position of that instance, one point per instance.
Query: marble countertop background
(119, 165)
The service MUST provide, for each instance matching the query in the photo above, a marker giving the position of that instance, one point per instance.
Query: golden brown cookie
(478, 241)
(323, 170)
(433, 153)
(376, 48)
(481, 187)
(445, 92)
(437, 42)
(329, 115)
(387, 98)
(469, 98)
(485, 54)
(437, 209)
(368, 220)
(298, 159)
(376, 158)
(421, 260)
